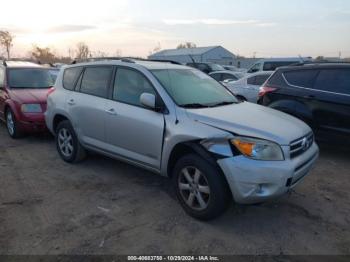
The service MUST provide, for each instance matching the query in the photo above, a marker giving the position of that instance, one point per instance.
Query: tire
(241, 99)
(67, 143)
(12, 125)
(211, 187)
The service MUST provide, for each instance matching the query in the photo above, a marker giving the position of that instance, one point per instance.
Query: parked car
(226, 75)
(271, 64)
(247, 88)
(207, 67)
(179, 122)
(23, 91)
(318, 94)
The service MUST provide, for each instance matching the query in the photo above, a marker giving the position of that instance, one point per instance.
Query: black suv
(318, 94)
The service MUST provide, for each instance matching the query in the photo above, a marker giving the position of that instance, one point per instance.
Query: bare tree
(156, 49)
(82, 51)
(186, 45)
(6, 39)
(43, 55)
(118, 53)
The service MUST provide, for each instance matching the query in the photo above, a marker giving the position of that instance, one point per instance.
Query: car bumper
(32, 123)
(253, 181)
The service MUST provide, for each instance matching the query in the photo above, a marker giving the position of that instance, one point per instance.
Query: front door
(133, 131)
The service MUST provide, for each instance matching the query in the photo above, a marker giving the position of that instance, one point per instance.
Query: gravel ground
(103, 206)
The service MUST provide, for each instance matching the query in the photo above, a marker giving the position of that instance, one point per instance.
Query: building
(213, 54)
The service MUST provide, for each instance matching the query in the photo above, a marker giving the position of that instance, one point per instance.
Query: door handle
(71, 102)
(111, 111)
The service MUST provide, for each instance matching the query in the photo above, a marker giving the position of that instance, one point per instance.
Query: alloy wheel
(10, 123)
(65, 142)
(194, 188)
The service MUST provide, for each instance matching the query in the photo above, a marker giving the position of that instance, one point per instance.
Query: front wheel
(200, 187)
(67, 143)
(12, 125)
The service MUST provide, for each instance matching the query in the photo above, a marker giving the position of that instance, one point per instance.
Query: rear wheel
(67, 143)
(200, 187)
(12, 125)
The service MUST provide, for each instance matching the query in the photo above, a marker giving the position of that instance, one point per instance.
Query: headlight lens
(31, 108)
(258, 149)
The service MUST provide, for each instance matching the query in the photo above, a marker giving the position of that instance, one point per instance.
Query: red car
(24, 87)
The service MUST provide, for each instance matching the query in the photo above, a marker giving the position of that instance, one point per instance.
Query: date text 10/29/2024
(173, 258)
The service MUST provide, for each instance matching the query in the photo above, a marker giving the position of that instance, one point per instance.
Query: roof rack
(123, 59)
(94, 59)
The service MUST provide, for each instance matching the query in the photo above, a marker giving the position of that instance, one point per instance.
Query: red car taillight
(51, 90)
(265, 89)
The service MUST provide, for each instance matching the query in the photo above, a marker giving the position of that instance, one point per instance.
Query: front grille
(299, 146)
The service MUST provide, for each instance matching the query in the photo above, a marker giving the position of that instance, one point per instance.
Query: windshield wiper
(194, 105)
(223, 103)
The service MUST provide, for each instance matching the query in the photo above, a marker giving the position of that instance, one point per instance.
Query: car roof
(285, 59)
(314, 66)
(13, 64)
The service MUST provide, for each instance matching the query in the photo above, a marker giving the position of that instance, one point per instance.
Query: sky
(264, 28)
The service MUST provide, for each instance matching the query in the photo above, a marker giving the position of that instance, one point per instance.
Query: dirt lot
(103, 206)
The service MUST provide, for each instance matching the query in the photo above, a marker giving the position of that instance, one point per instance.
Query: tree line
(47, 54)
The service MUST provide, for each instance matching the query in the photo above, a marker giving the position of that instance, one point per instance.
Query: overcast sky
(267, 27)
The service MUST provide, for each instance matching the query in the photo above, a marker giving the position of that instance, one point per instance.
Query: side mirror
(148, 100)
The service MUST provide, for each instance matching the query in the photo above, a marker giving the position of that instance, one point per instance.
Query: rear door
(332, 92)
(132, 130)
(87, 106)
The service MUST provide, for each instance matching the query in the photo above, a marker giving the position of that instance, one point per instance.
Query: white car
(226, 75)
(270, 64)
(247, 88)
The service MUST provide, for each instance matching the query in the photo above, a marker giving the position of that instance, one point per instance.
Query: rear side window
(95, 80)
(259, 80)
(70, 77)
(251, 80)
(301, 78)
(334, 80)
(276, 80)
(129, 86)
(229, 76)
(217, 77)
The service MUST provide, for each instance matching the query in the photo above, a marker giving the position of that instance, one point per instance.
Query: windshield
(216, 67)
(30, 78)
(193, 88)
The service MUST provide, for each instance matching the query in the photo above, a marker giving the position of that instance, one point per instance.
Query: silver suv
(179, 122)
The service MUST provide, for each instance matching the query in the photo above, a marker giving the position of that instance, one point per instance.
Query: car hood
(29, 96)
(252, 120)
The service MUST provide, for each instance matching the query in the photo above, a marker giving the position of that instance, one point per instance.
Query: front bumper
(253, 181)
(32, 123)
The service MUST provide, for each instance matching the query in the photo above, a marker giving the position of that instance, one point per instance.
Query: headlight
(31, 108)
(258, 149)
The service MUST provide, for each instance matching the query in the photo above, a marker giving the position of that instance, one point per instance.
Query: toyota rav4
(179, 122)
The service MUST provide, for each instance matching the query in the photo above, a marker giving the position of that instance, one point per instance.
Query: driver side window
(129, 85)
